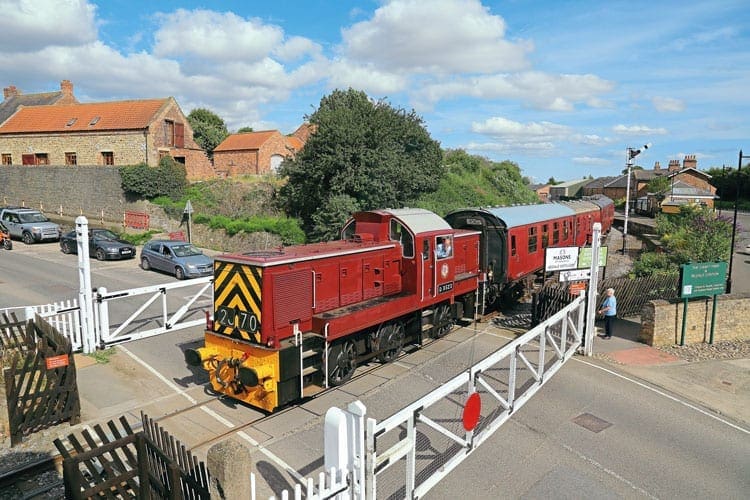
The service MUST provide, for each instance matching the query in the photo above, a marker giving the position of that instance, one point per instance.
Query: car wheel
(67, 247)
(99, 254)
(27, 238)
(179, 273)
(7, 244)
(144, 264)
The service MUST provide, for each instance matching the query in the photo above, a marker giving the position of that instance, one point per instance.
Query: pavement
(124, 386)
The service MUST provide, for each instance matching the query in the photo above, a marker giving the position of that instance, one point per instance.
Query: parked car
(103, 245)
(29, 225)
(747, 249)
(5, 241)
(180, 258)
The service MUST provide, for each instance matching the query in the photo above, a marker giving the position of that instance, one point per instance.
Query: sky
(561, 87)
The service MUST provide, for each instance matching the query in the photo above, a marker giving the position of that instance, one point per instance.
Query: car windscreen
(105, 235)
(186, 250)
(33, 217)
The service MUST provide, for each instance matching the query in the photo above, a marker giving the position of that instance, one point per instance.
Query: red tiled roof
(121, 115)
(245, 140)
(295, 143)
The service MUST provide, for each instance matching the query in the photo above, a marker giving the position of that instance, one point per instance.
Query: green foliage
(245, 129)
(138, 238)
(288, 229)
(654, 264)
(729, 183)
(659, 185)
(475, 181)
(209, 130)
(695, 234)
(102, 357)
(363, 155)
(168, 179)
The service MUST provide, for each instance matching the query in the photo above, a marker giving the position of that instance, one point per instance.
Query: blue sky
(560, 87)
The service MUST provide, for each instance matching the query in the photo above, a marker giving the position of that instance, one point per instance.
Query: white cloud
(639, 130)
(344, 74)
(439, 36)
(520, 147)
(502, 127)
(297, 47)
(588, 160)
(215, 36)
(667, 104)
(537, 89)
(30, 25)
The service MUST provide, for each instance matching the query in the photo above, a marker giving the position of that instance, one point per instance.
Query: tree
(208, 129)
(245, 129)
(659, 185)
(364, 155)
(695, 234)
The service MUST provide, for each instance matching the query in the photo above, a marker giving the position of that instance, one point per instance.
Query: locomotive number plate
(474, 221)
(243, 320)
(445, 287)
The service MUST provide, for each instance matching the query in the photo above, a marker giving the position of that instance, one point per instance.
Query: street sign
(703, 279)
(188, 208)
(575, 275)
(559, 258)
(584, 257)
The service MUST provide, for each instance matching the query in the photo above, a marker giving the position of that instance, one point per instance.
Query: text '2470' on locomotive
(287, 324)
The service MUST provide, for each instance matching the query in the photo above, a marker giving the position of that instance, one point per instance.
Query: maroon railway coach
(288, 323)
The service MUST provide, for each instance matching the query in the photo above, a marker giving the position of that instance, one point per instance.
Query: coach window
(513, 250)
(565, 229)
(555, 233)
(532, 239)
(399, 233)
(545, 236)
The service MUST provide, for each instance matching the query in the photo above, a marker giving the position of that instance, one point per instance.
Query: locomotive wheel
(392, 341)
(342, 361)
(442, 321)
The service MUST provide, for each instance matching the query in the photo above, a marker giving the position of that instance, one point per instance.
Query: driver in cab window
(444, 247)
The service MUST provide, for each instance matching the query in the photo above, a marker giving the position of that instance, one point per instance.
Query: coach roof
(520, 215)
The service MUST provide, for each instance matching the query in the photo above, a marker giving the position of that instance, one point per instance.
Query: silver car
(179, 258)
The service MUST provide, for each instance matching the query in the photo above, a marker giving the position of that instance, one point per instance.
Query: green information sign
(703, 279)
(584, 257)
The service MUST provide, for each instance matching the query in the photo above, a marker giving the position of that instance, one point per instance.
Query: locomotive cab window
(444, 247)
(348, 232)
(399, 233)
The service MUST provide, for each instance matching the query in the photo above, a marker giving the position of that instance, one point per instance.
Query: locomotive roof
(418, 220)
(521, 215)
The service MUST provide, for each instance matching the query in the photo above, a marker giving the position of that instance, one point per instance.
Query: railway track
(35, 479)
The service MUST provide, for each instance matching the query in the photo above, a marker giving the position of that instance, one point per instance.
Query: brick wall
(661, 321)
(275, 145)
(90, 190)
(236, 162)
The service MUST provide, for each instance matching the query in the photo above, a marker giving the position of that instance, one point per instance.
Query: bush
(168, 179)
(654, 264)
(288, 229)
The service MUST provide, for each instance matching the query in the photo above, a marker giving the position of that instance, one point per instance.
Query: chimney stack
(67, 87)
(10, 91)
(657, 167)
(674, 166)
(690, 162)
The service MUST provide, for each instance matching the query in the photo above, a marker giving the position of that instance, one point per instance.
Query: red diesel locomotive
(287, 324)
(514, 238)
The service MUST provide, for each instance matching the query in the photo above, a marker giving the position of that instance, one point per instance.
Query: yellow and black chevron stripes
(237, 300)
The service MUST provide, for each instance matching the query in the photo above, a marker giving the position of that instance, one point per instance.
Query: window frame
(533, 246)
(7, 159)
(71, 158)
(108, 157)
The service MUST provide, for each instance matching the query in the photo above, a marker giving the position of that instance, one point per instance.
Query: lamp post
(734, 223)
(631, 153)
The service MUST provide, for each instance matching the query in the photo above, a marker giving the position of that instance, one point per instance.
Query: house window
(7, 159)
(108, 158)
(41, 158)
(168, 133)
(532, 239)
(71, 159)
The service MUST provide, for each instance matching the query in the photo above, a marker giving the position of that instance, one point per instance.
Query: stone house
(542, 191)
(102, 133)
(257, 153)
(13, 99)
(567, 190)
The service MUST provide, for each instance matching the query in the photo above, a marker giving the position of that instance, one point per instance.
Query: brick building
(13, 99)
(257, 153)
(102, 133)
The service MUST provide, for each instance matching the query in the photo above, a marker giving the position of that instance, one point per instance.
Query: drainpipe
(145, 143)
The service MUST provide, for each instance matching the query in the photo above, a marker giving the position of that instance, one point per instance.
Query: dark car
(180, 258)
(103, 245)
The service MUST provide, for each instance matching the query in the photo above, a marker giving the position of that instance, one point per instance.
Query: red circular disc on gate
(472, 410)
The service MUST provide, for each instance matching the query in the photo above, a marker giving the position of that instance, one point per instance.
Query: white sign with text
(558, 259)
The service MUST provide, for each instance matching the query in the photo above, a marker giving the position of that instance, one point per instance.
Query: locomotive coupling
(196, 357)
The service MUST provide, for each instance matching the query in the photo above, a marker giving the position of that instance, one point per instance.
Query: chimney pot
(10, 91)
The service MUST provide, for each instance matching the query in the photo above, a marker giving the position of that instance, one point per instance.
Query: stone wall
(127, 147)
(661, 321)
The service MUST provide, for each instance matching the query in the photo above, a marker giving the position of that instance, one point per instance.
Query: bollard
(229, 464)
